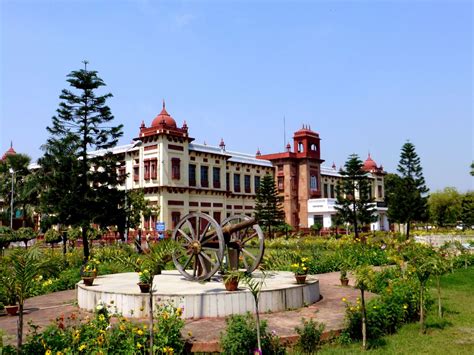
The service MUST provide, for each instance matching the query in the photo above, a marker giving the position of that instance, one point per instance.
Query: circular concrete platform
(198, 300)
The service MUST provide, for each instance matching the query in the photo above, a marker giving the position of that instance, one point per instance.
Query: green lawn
(454, 334)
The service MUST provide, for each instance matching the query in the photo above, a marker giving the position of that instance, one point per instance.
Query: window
(217, 217)
(236, 182)
(175, 217)
(281, 183)
(380, 194)
(256, 183)
(332, 191)
(227, 181)
(136, 173)
(216, 177)
(314, 147)
(204, 176)
(153, 170)
(326, 193)
(300, 147)
(192, 174)
(280, 167)
(247, 183)
(175, 168)
(146, 164)
(313, 182)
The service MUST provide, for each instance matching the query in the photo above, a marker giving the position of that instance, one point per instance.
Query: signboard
(160, 226)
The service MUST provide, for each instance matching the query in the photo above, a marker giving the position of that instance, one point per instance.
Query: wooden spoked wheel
(245, 246)
(202, 246)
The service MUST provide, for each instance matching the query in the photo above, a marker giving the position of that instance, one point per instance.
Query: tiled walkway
(205, 332)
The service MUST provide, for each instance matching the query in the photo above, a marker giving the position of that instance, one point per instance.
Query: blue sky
(366, 75)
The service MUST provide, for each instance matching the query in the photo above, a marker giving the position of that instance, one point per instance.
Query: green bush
(240, 337)
(72, 335)
(398, 303)
(310, 336)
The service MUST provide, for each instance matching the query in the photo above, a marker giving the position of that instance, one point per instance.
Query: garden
(417, 288)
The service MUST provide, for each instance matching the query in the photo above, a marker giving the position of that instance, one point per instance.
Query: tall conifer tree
(354, 200)
(268, 209)
(82, 125)
(406, 197)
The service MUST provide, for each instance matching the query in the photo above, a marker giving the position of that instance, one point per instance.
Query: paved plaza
(41, 310)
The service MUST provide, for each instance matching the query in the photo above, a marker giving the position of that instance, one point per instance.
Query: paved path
(205, 332)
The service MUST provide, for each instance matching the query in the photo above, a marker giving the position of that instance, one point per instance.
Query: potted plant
(231, 279)
(344, 279)
(300, 269)
(145, 279)
(89, 272)
(11, 296)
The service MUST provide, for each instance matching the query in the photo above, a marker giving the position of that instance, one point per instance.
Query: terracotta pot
(144, 288)
(231, 284)
(88, 280)
(11, 310)
(300, 279)
(345, 282)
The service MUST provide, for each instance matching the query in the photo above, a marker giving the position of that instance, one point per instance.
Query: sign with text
(160, 226)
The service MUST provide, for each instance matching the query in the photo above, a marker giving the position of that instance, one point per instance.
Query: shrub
(310, 336)
(240, 337)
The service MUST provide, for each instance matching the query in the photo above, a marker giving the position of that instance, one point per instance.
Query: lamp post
(134, 145)
(11, 206)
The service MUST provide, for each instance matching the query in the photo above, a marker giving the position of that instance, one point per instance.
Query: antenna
(284, 131)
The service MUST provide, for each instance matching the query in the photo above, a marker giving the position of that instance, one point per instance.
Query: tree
(82, 124)
(467, 210)
(24, 234)
(364, 280)
(406, 194)
(24, 266)
(24, 186)
(268, 209)
(354, 204)
(445, 206)
(472, 168)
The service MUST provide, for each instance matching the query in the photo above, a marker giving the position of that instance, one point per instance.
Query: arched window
(300, 147)
(314, 147)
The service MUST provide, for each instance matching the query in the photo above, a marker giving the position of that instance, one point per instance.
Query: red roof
(370, 164)
(10, 151)
(163, 118)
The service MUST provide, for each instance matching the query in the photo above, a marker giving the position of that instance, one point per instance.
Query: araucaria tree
(80, 172)
(406, 194)
(268, 209)
(355, 204)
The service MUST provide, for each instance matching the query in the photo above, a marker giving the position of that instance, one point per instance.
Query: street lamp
(134, 145)
(11, 206)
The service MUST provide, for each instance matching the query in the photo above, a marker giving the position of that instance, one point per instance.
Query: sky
(366, 75)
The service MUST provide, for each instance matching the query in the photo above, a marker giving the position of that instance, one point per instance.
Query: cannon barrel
(232, 228)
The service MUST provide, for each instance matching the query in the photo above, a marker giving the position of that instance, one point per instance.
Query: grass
(452, 334)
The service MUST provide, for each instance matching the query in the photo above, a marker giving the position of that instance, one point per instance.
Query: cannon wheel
(250, 256)
(203, 245)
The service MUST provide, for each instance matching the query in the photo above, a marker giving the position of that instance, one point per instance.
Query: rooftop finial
(222, 144)
(11, 144)
(164, 105)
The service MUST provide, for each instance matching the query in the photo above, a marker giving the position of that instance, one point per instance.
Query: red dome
(164, 117)
(370, 164)
(10, 151)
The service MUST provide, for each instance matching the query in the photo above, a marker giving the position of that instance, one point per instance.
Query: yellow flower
(100, 339)
(179, 311)
(140, 332)
(405, 306)
(101, 317)
(190, 334)
(59, 353)
(140, 273)
(122, 327)
(168, 350)
(139, 346)
(165, 315)
(48, 352)
(344, 299)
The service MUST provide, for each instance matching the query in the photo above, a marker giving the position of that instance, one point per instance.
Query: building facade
(179, 176)
(308, 189)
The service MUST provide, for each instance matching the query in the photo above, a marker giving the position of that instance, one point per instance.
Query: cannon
(207, 245)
